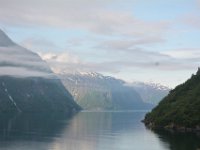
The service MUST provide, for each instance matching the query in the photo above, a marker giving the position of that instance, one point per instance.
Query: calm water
(88, 131)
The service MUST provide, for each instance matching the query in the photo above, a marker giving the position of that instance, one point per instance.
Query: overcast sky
(135, 40)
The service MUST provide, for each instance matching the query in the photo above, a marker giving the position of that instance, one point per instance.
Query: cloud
(198, 2)
(148, 60)
(78, 41)
(192, 20)
(114, 29)
(186, 53)
(23, 72)
(61, 57)
(93, 16)
(129, 44)
(41, 43)
(66, 62)
(103, 36)
(17, 61)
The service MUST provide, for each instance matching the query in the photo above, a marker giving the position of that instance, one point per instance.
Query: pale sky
(134, 40)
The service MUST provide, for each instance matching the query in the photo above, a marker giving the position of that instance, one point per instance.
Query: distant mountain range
(27, 84)
(98, 92)
(180, 110)
(150, 92)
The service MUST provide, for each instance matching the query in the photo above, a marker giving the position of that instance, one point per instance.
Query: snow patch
(10, 98)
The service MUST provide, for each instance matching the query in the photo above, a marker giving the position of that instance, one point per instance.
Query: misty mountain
(93, 91)
(27, 83)
(150, 92)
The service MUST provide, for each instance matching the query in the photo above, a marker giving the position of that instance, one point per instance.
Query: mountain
(180, 109)
(150, 92)
(94, 91)
(27, 84)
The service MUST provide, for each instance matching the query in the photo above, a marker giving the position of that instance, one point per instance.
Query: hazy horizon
(132, 40)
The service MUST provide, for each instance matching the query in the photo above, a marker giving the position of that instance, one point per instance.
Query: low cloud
(23, 72)
(147, 60)
(61, 57)
(17, 61)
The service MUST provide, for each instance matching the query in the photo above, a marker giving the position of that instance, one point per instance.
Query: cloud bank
(157, 38)
(65, 62)
(17, 61)
(93, 16)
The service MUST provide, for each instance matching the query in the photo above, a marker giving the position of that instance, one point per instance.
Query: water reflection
(31, 131)
(87, 131)
(107, 131)
(180, 141)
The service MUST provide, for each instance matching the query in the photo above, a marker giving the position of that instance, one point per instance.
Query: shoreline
(172, 127)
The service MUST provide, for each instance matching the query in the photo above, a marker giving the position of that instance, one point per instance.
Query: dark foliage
(181, 107)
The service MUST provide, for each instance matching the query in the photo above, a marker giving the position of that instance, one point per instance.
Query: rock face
(93, 91)
(27, 84)
(180, 110)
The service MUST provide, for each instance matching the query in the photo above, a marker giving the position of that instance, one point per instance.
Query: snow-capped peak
(85, 74)
(157, 86)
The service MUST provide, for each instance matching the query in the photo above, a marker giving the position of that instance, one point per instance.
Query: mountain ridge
(27, 84)
(180, 109)
(96, 91)
(151, 93)
(5, 40)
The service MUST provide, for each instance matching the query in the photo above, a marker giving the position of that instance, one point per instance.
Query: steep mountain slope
(180, 109)
(27, 83)
(98, 92)
(150, 92)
